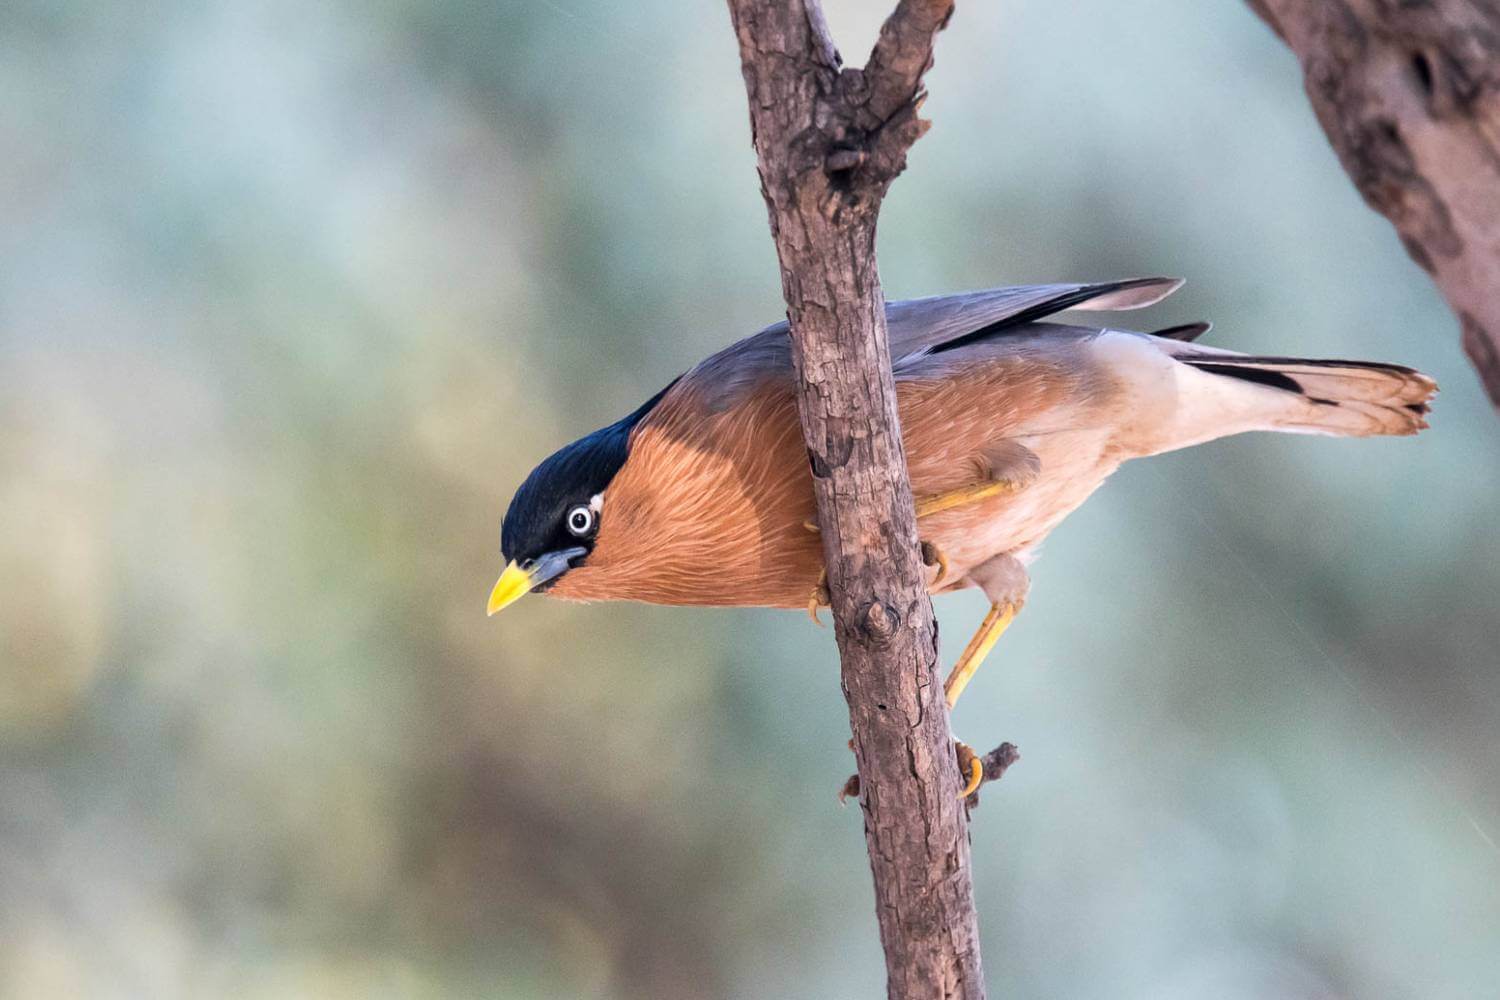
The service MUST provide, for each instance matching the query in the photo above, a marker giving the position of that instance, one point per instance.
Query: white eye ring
(580, 521)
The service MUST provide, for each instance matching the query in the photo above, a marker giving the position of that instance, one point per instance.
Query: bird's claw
(933, 556)
(970, 768)
(819, 598)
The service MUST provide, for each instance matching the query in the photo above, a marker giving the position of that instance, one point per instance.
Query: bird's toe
(934, 556)
(970, 767)
(819, 598)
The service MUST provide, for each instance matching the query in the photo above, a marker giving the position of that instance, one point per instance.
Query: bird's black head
(558, 505)
(554, 517)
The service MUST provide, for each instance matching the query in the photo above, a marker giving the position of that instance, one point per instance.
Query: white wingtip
(1138, 293)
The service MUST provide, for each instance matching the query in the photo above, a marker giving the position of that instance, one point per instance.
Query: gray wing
(919, 326)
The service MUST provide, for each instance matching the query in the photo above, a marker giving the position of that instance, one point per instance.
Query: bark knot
(879, 621)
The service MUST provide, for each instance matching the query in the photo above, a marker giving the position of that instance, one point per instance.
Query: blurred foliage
(292, 296)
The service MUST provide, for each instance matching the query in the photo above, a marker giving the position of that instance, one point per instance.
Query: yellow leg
(995, 623)
(972, 493)
(963, 495)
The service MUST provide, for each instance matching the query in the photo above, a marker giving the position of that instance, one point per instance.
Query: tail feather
(1339, 397)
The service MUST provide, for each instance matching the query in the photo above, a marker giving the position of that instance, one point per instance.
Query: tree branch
(829, 142)
(1409, 96)
(903, 53)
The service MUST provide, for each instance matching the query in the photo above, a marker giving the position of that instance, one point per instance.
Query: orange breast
(708, 509)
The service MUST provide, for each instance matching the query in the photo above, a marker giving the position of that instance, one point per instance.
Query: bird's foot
(974, 769)
(933, 556)
(851, 786)
(970, 767)
(993, 766)
(819, 598)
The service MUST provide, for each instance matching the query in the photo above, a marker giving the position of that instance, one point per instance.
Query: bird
(1010, 419)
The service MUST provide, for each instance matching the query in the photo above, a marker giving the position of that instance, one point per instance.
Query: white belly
(1073, 466)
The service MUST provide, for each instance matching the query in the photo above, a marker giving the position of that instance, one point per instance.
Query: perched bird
(703, 495)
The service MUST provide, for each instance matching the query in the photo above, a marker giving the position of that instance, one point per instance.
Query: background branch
(829, 141)
(1409, 96)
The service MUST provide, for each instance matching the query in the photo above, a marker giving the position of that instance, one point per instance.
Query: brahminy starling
(1010, 420)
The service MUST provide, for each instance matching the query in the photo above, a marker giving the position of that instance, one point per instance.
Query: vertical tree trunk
(1409, 96)
(829, 141)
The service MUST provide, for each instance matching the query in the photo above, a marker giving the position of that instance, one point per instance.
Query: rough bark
(829, 141)
(1408, 92)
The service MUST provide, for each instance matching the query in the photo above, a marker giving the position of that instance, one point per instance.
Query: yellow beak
(513, 584)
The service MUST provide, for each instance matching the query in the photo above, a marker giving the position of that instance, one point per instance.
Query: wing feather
(918, 327)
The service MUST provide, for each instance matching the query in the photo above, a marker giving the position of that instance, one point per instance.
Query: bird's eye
(580, 521)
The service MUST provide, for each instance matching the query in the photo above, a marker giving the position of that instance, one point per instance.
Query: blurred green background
(293, 295)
